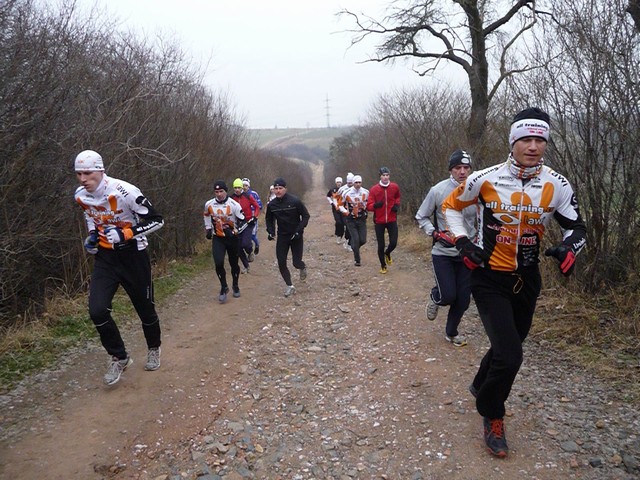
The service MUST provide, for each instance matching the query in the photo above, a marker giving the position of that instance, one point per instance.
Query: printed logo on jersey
(520, 209)
(222, 219)
(101, 215)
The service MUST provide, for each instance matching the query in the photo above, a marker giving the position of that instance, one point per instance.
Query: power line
(327, 109)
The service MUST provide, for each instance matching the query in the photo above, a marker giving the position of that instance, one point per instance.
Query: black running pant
(283, 244)
(226, 245)
(347, 235)
(358, 235)
(453, 288)
(506, 302)
(339, 223)
(245, 246)
(130, 268)
(392, 230)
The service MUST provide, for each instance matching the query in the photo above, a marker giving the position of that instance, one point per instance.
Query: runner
(223, 217)
(451, 275)
(332, 197)
(343, 212)
(384, 202)
(355, 207)
(118, 217)
(246, 186)
(515, 199)
(251, 210)
(291, 217)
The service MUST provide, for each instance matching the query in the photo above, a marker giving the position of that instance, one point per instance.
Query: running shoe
(383, 269)
(473, 390)
(153, 359)
(251, 257)
(458, 340)
(303, 274)
(256, 250)
(289, 291)
(223, 294)
(494, 437)
(236, 292)
(388, 259)
(116, 367)
(432, 310)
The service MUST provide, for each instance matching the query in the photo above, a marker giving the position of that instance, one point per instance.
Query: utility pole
(327, 109)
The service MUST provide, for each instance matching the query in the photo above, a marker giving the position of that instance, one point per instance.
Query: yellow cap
(237, 183)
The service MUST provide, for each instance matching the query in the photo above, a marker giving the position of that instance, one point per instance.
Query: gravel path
(344, 380)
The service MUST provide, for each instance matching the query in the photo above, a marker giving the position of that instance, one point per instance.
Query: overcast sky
(283, 63)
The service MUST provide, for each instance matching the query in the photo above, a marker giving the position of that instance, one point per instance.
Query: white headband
(528, 128)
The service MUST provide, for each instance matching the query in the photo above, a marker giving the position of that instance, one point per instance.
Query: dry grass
(599, 332)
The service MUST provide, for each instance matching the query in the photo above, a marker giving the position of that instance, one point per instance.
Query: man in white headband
(118, 218)
(515, 201)
(332, 198)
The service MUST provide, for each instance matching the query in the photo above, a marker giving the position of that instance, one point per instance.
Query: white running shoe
(432, 310)
(153, 359)
(289, 291)
(116, 367)
(458, 340)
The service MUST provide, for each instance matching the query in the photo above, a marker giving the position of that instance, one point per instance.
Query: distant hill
(284, 138)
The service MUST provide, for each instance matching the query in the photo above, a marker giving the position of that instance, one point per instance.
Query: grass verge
(35, 345)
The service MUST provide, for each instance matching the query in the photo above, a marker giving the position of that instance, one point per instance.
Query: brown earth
(346, 379)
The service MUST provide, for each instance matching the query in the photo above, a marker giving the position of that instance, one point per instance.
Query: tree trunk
(634, 11)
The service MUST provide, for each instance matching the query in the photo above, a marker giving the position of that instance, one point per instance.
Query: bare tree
(634, 10)
(590, 87)
(463, 32)
(69, 84)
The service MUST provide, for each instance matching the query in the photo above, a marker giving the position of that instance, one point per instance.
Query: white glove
(113, 234)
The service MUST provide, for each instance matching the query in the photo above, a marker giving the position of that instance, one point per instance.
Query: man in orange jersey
(354, 206)
(118, 218)
(515, 201)
(223, 217)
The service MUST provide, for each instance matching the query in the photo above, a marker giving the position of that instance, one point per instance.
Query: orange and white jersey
(512, 214)
(119, 203)
(354, 202)
(340, 200)
(221, 217)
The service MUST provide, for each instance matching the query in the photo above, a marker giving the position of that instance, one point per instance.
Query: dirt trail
(346, 379)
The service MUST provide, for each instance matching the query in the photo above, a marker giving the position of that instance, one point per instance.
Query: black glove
(378, 204)
(443, 238)
(295, 236)
(472, 255)
(395, 208)
(270, 236)
(209, 234)
(565, 255)
(91, 242)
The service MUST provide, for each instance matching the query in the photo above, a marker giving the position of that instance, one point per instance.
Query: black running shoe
(473, 390)
(223, 294)
(494, 437)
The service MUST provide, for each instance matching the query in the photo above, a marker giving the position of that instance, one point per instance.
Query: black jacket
(290, 214)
